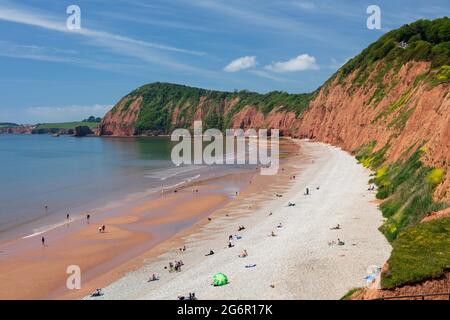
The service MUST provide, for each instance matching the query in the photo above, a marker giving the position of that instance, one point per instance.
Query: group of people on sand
(175, 266)
(88, 217)
(232, 238)
(191, 296)
(339, 242)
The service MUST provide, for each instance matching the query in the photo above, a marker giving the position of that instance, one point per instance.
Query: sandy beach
(300, 262)
(133, 231)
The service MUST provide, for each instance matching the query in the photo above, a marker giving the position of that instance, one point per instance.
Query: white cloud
(305, 5)
(241, 64)
(51, 23)
(143, 50)
(65, 113)
(300, 63)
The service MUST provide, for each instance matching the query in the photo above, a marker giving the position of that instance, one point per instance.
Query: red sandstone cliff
(25, 129)
(342, 117)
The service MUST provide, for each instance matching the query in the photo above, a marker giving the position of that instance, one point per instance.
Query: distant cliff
(16, 129)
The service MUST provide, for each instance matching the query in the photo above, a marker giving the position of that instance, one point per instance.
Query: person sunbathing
(337, 227)
(153, 278)
(340, 242)
(210, 253)
(97, 293)
(243, 254)
(273, 234)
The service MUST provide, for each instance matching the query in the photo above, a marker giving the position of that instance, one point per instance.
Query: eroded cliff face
(410, 113)
(121, 119)
(18, 130)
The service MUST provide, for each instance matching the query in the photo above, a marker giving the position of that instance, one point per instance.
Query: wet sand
(135, 232)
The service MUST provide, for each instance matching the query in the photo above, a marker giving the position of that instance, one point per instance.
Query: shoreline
(131, 232)
(299, 263)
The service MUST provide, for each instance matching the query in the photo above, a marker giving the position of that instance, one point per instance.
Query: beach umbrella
(220, 279)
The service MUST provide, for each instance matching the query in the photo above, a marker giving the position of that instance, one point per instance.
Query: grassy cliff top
(181, 94)
(66, 125)
(427, 40)
(8, 125)
(160, 100)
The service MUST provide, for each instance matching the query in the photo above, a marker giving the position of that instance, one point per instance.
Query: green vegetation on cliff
(420, 252)
(161, 100)
(66, 125)
(427, 40)
(405, 186)
(8, 125)
(407, 190)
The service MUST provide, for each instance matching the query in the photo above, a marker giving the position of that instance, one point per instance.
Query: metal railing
(421, 296)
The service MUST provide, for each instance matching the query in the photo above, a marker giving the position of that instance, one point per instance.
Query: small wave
(39, 231)
(187, 180)
(172, 172)
(193, 178)
(174, 185)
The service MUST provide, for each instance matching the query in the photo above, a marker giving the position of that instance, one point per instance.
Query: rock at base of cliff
(82, 131)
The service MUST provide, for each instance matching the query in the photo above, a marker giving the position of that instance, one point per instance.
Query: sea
(44, 178)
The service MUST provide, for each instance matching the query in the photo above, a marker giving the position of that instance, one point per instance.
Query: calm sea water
(74, 175)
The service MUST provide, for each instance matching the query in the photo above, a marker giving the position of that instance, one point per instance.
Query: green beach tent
(220, 279)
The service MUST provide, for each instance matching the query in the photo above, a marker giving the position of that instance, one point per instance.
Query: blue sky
(50, 73)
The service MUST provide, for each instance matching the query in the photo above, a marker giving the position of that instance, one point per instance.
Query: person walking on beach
(88, 217)
(103, 228)
(67, 217)
(46, 208)
(307, 191)
(43, 241)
